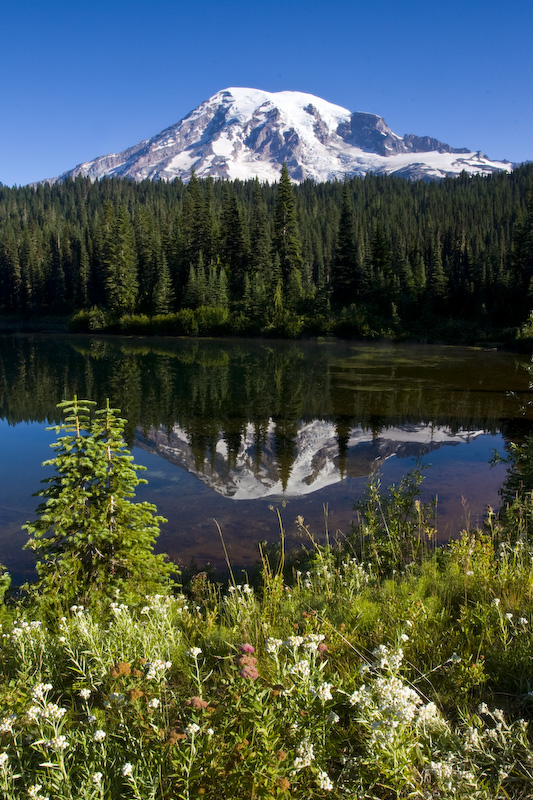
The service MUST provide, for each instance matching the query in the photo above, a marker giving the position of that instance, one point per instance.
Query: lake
(235, 430)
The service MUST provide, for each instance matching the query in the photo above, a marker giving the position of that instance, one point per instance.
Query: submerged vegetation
(374, 668)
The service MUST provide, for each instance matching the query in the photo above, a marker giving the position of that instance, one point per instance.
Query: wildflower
(50, 711)
(496, 602)
(157, 667)
(6, 723)
(40, 690)
(300, 668)
(210, 731)
(247, 648)
(191, 729)
(97, 778)
(33, 792)
(4, 758)
(404, 637)
(273, 645)
(197, 703)
(58, 743)
(323, 692)
(305, 755)
(99, 735)
(194, 652)
(333, 717)
(154, 703)
(249, 671)
(294, 641)
(324, 781)
(523, 621)
(127, 770)
(85, 694)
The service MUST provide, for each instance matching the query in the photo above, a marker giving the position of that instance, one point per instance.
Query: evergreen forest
(369, 256)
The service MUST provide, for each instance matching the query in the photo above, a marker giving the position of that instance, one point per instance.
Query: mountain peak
(243, 133)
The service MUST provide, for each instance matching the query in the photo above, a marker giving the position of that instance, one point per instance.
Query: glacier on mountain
(241, 133)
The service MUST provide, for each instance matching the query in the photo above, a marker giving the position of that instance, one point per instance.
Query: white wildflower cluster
(312, 640)
(388, 703)
(40, 690)
(25, 631)
(301, 668)
(35, 792)
(387, 659)
(451, 775)
(155, 670)
(77, 611)
(127, 770)
(4, 760)
(42, 709)
(85, 694)
(6, 723)
(58, 743)
(160, 605)
(99, 736)
(194, 652)
(118, 608)
(294, 641)
(154, 703)
(324, 781)
(355, 573)
(192, 729)
(304, 755)
(240, 594)
(323, 692)
(273, 645)
(49, 712)
(97, 778)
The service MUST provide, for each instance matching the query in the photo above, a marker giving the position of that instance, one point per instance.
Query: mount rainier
(246, 133)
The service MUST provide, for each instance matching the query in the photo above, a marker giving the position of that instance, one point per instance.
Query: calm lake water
(234, 430)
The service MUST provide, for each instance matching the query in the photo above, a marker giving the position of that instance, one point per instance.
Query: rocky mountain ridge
(241, 133)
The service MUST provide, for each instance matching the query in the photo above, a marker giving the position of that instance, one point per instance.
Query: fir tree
(121, 265)
(287, 244)
(88, 528)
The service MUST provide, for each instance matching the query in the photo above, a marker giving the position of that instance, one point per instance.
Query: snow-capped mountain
(247, 133)
(316, 457)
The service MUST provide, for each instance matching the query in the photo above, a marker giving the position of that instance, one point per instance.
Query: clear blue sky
(81, 79)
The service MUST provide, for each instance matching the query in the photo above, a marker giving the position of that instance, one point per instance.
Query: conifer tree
(163, 297)
(344, 273)
(121, 265)
(287, 244)
(91, 539)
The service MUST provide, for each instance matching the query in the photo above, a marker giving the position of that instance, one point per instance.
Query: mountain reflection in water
(264, 423)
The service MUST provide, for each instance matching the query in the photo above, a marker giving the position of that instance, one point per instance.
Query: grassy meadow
(378, 667)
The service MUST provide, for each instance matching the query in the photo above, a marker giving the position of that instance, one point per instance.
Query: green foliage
(393, 529)
(88, 527)
(406, 251)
